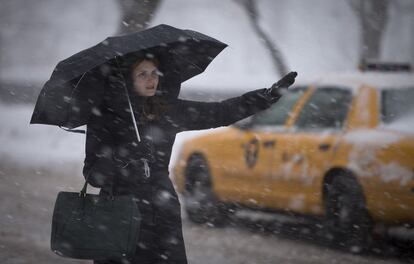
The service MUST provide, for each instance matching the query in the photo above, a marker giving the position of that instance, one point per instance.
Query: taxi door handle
(324, 146)
(269, 143)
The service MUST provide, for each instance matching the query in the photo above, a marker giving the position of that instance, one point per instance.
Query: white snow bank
(404, 124)
(370, 136)
(43, 145)
(364, 159)
(36, 144)
(394, 172)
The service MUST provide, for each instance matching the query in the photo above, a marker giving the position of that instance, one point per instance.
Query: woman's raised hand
(283, 84)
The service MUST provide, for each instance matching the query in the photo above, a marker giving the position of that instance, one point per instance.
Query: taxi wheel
(347, 219)
(200, 202)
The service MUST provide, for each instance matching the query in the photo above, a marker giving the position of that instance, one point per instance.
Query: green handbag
(90, 226)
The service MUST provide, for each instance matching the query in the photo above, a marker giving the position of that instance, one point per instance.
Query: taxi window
(278, 113)
(396, 104)
(327, 108)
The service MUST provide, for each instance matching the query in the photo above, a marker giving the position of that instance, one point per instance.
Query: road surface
(28, 193)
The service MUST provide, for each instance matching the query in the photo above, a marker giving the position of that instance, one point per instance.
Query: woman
(116, 161)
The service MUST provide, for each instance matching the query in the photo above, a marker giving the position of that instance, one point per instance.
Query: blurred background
(266, 39)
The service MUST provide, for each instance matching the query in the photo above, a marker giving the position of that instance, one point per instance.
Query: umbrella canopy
(77, 83)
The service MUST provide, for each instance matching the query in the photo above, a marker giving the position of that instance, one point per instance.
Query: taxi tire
(200, 202)
(348, 222)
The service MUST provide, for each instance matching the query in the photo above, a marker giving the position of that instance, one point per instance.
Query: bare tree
(373, 18)
(136, 14)
(276, 55)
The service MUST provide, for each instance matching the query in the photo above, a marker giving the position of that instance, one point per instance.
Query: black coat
(113, 155)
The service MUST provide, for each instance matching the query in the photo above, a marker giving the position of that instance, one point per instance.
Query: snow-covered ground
(27, 197)
(36, 144)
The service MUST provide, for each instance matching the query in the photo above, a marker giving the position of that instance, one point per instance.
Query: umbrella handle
(129, 102)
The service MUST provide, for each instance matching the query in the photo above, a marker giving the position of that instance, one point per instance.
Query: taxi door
(249, 166)
(248, 159)
(307, 149)
(269, 128)
(257, 148)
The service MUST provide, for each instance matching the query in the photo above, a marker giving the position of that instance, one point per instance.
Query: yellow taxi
(341, 148)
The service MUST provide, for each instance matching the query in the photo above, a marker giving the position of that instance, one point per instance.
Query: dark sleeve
(202, 115)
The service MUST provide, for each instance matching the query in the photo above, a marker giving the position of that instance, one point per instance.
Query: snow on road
(27, 197)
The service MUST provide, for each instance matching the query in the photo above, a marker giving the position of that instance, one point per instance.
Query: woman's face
(145, 77)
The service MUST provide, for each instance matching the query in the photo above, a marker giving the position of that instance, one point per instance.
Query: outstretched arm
(202, 115)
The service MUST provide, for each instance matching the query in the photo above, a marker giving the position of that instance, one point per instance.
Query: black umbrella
(76, 86)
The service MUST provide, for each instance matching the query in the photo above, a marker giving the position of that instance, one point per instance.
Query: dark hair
(145, 58)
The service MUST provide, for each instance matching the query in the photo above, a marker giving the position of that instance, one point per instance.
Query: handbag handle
(82, 193)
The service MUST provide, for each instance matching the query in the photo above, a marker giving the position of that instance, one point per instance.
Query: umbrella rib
(133, 116)
(195, 65)
(76, 86)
